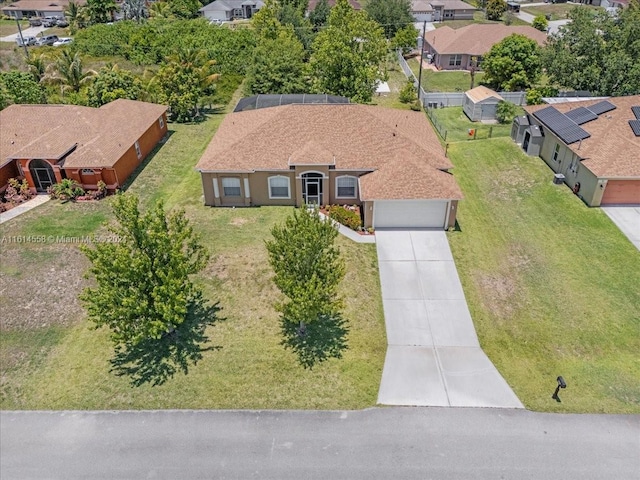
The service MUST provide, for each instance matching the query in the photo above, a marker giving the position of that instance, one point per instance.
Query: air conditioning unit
(558, 179)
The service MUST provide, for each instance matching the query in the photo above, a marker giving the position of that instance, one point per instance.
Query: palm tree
(160, 10)
(76, 16)
(38, 66)
(196, 61)
(67, 72)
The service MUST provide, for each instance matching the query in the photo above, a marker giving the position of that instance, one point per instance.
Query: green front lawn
(552, 284)
(50, 358)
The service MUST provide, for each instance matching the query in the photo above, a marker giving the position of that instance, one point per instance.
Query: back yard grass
(558, 11)
(552, 284)
(453, 126)
(444, 81)
(51, 358)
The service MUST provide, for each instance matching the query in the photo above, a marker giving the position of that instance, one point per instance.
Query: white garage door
(409, 213)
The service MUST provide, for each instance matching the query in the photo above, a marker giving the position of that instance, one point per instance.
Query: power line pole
(424, 28)
(26, 52)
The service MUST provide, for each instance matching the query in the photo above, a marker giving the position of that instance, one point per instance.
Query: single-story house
(388, 161)
(422, 10)
(481, 103)
(594, 144)
(37, 8)
(452, 10)
(332, 3)
(47, 143)
(459, 49)
(227, 10)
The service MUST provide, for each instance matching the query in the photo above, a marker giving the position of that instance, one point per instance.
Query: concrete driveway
(433, 357)
(627, 218)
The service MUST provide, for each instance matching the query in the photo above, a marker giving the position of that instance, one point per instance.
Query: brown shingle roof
(40, 5)
(477, 39)
(356, 137)
(612, 150)
(102, 135)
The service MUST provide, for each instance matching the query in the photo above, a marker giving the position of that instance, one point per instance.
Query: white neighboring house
(226, 10)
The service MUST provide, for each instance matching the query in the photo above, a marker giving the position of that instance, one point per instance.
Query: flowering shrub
(346, 217)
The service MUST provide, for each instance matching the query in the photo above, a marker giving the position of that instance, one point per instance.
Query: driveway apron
(433, 357)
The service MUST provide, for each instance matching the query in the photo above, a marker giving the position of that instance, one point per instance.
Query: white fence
(451, 99)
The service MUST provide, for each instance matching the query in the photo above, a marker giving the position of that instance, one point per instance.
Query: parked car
(47, 40)
(35, 22)
(215, 21)
(62, 22)
(62, 41)
(50, 21)
(26, 41)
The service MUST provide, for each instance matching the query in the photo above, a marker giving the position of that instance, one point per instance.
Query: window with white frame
(138, 151)
(279, 187)
(231, 186)
(161, 122)
(556, 152)
(346, 186)
(455, 60)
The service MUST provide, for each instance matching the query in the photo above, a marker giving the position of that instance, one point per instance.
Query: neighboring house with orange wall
(388, 161)
(47, 143)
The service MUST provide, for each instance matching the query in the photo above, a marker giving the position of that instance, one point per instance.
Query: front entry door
(42, 174)
(312, 188)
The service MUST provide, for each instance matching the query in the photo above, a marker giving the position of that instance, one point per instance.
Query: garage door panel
(409, 213)
(621, 192)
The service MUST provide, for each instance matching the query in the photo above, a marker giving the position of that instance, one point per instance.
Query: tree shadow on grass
(154, 361)
(317, 341)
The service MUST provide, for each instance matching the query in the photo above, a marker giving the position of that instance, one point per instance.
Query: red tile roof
(355, 137)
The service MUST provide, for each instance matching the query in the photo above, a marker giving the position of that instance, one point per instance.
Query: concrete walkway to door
(433, 357)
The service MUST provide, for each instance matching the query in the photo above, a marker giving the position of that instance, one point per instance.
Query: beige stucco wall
(368, 214)
(259, 185)
(590, 192)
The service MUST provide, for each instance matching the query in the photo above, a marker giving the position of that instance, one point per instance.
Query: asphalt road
(381, 443)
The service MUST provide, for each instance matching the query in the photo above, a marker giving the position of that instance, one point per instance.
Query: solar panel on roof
(636, 112)
(565, 128)
(581, 115)
(635, 126)
(602, 107)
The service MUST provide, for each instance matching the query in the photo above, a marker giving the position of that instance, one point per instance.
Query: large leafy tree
(111, 83)
(391, 14)
(405, 38)
(100, 11)
(184, 8)
(495, 9)
(278, 65)
(513, 64)
(320, 15)
(308, 270)
(596, 52)
(183, 81)
(135, 10)
(347, 54)
(20, 87)
(144, 293)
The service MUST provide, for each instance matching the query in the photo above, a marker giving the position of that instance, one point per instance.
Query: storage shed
(520, 124)
(480, 103)
(532, 140)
